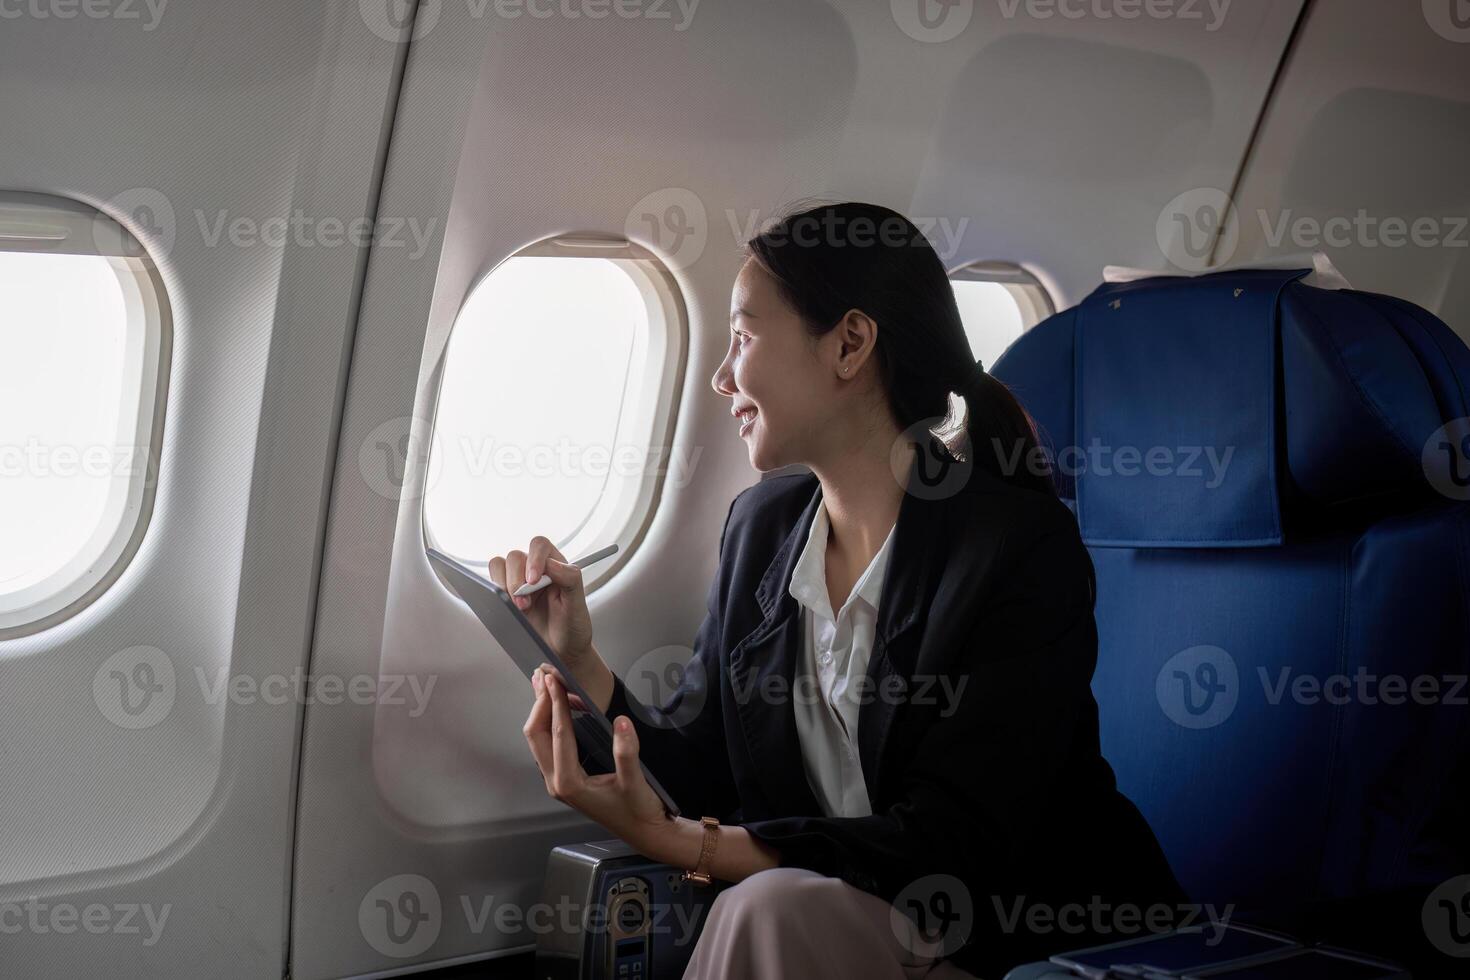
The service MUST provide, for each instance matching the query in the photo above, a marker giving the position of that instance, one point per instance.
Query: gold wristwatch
(700, 875)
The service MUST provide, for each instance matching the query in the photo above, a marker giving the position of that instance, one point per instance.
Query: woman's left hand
(622, 801)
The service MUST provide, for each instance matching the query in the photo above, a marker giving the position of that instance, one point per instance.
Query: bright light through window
(991, 318)
(556, 378)
(998, 301)
(63, 339)
(82, 336)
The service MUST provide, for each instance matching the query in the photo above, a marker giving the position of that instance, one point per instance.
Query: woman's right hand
(559, 611)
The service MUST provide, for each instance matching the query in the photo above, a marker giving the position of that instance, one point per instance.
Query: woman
(933, 743)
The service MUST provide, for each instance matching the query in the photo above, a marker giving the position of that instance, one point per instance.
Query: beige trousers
(794, 923)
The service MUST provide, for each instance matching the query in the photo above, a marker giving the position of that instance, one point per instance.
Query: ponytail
(1002, 436)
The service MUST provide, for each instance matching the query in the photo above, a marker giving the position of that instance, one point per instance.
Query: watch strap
(701, 873)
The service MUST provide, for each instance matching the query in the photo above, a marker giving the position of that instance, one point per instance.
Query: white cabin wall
(1372, 117)
(250, 109)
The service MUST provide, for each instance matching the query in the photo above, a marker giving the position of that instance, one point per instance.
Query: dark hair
(833, 258)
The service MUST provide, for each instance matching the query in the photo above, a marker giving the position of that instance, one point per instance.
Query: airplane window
(998, 302)
(559, 387)
(84, 337)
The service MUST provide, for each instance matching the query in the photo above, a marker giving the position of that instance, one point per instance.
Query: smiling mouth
(747, 419)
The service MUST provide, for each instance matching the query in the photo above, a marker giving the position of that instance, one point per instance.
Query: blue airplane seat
(1277, 514)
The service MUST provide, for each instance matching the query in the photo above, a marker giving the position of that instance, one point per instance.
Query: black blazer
(1002, 787)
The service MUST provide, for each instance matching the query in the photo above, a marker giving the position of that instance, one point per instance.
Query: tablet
(1311, 964)
(515, 634)
(1171, 954)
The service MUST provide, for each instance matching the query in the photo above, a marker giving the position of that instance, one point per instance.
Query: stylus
(533, 587)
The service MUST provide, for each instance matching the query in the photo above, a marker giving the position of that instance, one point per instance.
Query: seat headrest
(1190, 412)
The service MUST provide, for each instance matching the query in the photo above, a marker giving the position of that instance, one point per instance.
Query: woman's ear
(857, 335)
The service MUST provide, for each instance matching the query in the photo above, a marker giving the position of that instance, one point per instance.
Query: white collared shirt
(829, 673)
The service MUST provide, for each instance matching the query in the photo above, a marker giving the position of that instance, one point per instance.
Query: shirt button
(825, 658)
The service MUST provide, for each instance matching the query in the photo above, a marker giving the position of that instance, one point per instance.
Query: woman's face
(780, 384)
